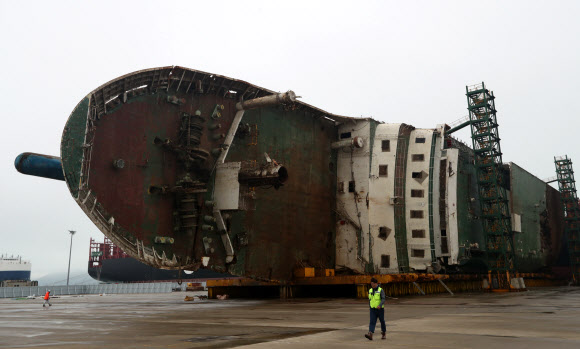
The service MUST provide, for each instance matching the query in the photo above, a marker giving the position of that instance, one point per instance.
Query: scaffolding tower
(567, 186)
(495, 214)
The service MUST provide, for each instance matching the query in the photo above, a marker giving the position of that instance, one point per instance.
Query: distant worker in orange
(47, 299)
(377, 300)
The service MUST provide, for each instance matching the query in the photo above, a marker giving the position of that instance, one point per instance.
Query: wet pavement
(539, 318)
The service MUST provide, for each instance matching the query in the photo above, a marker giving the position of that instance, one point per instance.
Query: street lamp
(72, 232)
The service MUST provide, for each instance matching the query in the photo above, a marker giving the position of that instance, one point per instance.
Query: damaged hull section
(184, 169)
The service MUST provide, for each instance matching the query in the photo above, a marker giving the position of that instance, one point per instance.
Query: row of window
(386, 259)
(384, 172)
(386, 144)
(415, 193)
(384, 233)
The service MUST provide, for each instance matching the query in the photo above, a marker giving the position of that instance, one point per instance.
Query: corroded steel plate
(139, 157)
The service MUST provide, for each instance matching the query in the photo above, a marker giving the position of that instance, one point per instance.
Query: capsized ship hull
(184, 169)
(141, 156)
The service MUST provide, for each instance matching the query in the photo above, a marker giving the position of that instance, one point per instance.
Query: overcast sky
(396, 61)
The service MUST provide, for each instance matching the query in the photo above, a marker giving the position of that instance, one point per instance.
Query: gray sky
(397, 61)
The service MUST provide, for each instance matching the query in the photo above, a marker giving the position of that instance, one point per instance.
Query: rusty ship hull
(153, 193)
(184, 169)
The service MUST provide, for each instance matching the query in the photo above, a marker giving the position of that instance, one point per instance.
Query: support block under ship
(184, 169)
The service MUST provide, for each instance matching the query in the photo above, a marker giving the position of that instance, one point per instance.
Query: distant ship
(14, 268)
(108, 263)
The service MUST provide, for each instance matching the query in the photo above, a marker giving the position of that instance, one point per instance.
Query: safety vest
(375, 297)
(47, 295)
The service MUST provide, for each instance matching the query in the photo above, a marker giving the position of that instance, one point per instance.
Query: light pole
(72, 232)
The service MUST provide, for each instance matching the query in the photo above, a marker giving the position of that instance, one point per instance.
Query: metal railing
(458, 121)
(151, 287)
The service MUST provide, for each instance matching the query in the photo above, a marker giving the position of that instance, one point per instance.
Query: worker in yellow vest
(377, 305)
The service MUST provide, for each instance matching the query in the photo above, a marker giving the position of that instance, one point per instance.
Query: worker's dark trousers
(380, 314)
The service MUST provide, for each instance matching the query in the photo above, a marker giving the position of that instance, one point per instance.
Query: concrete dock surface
(538, 318)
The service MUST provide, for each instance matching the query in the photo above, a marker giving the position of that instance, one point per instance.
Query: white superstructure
(14, 268)
(389, 193)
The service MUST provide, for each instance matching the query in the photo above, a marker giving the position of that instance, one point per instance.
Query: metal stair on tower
(567, 186)
(496, 219)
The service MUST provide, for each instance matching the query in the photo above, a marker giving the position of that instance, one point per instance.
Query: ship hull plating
(184, 169)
